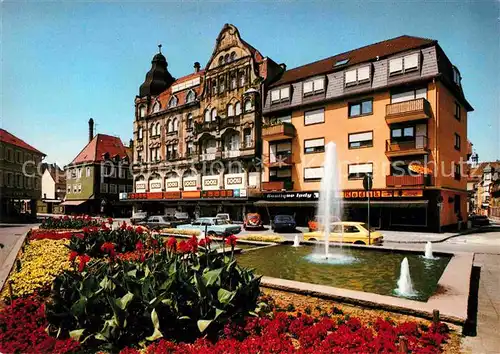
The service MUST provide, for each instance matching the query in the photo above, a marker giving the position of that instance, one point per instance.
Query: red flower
(172, 244)
(154, 243)
(139, 246)
(83, 260)
(139, 230)
(86, 230)
(231, 241)
(109, 248)
(110, 220)
(123, 225)
(143, 258)
(204, 242)
(193, 243)
(130, 228)
(73, 255)
(184, 247)
(80, 236)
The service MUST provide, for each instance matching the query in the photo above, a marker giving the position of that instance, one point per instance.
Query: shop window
(359, 171)
(360, 140)
(312, 146)
(361, 108)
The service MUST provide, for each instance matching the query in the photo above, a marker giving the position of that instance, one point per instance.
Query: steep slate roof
(101, 143)
(356, 56)
(164, 97)
(8, 138)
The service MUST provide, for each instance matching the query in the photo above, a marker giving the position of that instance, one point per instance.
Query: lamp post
(367, 185)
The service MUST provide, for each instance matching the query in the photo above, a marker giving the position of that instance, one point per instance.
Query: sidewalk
(424, 237)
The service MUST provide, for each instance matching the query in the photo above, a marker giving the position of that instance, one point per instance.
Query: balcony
(205, 126)
(230, 122)
(278, 132)
(230, 154)
(409, 180)
(277, 186)
(417, 146)
(282, 160)
(211, 154)
(407, 111)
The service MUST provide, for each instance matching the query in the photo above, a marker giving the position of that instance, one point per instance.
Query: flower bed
(70, 222)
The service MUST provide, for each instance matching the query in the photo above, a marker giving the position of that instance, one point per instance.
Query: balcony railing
(230, 153)
(277, 186)
(409, 180)
(408, 111)
(280, 160)
(230, 122)
(416, 146)
(206, 126)
(279, 131)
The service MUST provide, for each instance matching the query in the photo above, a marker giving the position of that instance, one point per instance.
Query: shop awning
(73, 202)
(354, 203)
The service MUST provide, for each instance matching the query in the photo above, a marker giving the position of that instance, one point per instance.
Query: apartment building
(97, 177)
(20, 177)
(395, 110)
(196, 138)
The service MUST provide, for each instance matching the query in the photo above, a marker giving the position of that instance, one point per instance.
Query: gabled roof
(101, 143)
(56, 172)
(356, 56)
(8, 138)
(477, 171)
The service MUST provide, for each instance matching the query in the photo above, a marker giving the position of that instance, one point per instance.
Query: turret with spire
(158, 79)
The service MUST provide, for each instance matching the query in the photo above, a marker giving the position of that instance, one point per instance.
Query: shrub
(69, 222)
(181, 232)
(44, 234)
(179, 293)
(263, 238)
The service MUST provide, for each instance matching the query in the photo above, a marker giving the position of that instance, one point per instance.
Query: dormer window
(156, 107)
(142, 111)
(314, 86)
(456, 76)
(280, 95)
(403, 64)
(357, 76)
(173, 102)
(341, 62)
(190, 96)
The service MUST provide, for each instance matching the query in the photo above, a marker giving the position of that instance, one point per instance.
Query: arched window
(230, 110)
(152, 130)
(190, 96)
(226, 58)
(221, 60)
(173, 102)
(170, 126)
(207, 116)
(142, 111)
(237, 108)
(139, 133)
(158, 129)
(222, 83)
(156, 107)
(189, 121)
(243, 78)
(214, 113)
(234, 81)
(176, 125)
(248, 106)
(233, 56)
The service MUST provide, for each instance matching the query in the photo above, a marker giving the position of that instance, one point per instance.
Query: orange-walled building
(395, 110)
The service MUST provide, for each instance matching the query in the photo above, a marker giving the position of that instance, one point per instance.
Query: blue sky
(66, 62)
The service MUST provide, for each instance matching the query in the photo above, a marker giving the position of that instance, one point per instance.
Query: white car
(213, 226)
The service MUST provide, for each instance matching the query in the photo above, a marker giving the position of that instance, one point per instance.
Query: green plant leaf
(78, 308)
(203, 325)
(125, 300)
(225, 296)
(156, 323)
(218, 312)
(132, 273)
(76, 334)
(107, 284)
(212, 276)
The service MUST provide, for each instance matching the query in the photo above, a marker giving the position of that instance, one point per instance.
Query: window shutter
(284, 173)
(316, 116)
(275, 95)
(285, 93)
(364, 73)
(411, 61)
(314, 143)
(403, 96)
(395, 65)
(284, 147)
(313, 173)
(421, 93)
(308, 87)
(350, 76)
(319, 84)
(360, 137)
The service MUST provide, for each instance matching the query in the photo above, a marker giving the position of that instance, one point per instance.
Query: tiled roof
(8, 138)
(356, 56)
(101, 143)
(164, 97)
(477, 171)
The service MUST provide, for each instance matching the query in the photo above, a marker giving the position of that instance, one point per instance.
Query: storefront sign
(292, 196)
(137, 195)
(382, 193)
(171, 195)
(155, 195)
(224, 193)
(190, 194)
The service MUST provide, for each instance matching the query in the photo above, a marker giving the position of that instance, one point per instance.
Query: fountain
(405, 285)
(428, 251)
(296, 242)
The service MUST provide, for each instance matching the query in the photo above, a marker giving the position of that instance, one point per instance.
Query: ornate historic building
(196, 143)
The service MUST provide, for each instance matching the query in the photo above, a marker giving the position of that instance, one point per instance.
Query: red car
(252, 221)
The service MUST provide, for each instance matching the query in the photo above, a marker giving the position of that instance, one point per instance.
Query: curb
(463, 233)
(11, 259)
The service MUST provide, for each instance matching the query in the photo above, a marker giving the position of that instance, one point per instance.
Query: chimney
(196, 67)
(91, 129)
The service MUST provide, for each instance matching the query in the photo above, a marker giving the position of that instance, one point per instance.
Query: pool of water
(374, 271)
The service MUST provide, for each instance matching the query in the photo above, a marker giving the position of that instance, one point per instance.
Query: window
(406, 133)
(19, 181)
(247, 137)
(358, 171)
(457, 141)
(80, 171)
(139, 133)
(112, 188)
(243, 79)
(156, 107)
(341, 62)
(129, 188)
(75, 188)
(214, 114)
(171, 151)
(360, 108)
(230, 110)
(190, 121)
(139, 156)
(409, 95)
(457, 204)
(226, 58)
(68, 188)
(214, 87)
(9, 155)
(121, 188)
(190, 96)
(221, 60)
(280, 95)
(314, 117)
(207, 116)
(104, 188)
(237, 108)
(280, 152)
(234, 81)
(314, 145)
(403, 64)
(282, 174)
(173, 102)
(456, 76)
(142, 111)
(222, 83)
(87, 171)
(281, 119)
(79, 188)
(248, 106)
(313, 173)
(360, 140)
(170, 126)
(314, 86)
(176, 125)
(189, 148)
(357, 76)
(350, 229)
(458, 171)
(233, 56)
(19, 156)
(457, 111)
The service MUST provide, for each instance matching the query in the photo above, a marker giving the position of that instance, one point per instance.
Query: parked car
(317, 223)
(478, 220)
(283, 223)
(138, 217)
(353, 232)
(224, 216)
(213, 226)
(252, 221)
(156, 222)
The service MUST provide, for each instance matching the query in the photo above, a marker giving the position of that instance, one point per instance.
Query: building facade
(196, 138)
(97, 176)
(20, 179)
(483, 179)
(53, 190)
(395, 110)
